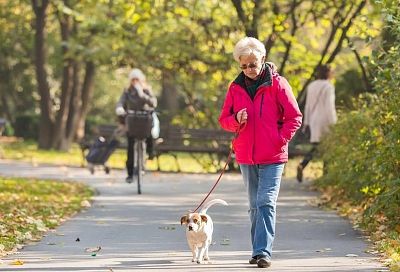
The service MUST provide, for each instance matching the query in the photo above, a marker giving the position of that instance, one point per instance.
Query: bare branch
(345, 30)
(239, 9)
(365, 75)
(336, 26)
(294, 21)
(269, 43)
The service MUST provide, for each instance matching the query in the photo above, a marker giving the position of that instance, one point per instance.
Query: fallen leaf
(93, 249)
(351, 255)
(225, 242)
(77, 240)
(51, 244)
(17, 262)
(167, 228)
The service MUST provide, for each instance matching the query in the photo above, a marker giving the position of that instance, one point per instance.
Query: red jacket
(273, 118)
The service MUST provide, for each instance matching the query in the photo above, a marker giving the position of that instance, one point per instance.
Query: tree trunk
(74, 106)
(86, 93)
(66, 25)
(6, 107)
(169, 95)
(46, 114)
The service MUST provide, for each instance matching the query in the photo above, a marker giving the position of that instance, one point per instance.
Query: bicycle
(139, 124)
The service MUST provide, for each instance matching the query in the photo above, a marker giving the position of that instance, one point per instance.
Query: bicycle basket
(139, 124)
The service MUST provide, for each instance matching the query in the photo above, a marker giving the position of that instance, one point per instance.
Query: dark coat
(131, 99)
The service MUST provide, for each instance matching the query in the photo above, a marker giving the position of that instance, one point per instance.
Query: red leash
(228, 160)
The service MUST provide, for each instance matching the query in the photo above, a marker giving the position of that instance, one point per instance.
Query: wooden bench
(174, 139)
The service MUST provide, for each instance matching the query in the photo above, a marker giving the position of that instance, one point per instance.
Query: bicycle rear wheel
(139, 166)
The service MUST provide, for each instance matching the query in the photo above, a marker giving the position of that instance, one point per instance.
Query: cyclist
(137, 96)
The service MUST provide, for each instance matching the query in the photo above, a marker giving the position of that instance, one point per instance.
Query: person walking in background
(137, 96)
(319, 112)
(261, 106)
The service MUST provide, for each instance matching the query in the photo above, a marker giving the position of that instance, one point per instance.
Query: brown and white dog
(199, 231)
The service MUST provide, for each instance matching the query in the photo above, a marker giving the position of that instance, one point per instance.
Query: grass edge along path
(30, 207)
(385, 238)
(28, 151)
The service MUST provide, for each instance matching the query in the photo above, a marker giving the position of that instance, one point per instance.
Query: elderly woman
(138, 96)
(260, 105)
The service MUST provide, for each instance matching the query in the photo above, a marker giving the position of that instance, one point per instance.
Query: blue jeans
(262, 182)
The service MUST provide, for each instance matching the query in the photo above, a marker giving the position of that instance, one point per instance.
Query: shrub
(363, 150)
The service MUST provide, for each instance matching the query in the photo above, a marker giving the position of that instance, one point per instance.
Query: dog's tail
(211, 203)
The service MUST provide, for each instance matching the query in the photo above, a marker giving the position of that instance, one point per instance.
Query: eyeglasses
(250, 65)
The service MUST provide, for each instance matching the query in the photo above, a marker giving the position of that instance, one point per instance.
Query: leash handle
(238, 130)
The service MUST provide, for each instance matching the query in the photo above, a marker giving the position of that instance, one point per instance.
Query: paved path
(142, 232)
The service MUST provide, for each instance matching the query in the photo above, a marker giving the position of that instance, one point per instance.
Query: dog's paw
(199, 262)
(206, 258)
(193, 260)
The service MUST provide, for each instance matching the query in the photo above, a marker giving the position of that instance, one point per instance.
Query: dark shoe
(299, 175)
(253, 260)
(263, 262)
(129, 179)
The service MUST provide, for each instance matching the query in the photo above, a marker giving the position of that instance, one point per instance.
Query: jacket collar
(266, 80)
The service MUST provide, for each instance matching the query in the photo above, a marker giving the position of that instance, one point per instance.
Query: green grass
(30, 207)
(28, 151)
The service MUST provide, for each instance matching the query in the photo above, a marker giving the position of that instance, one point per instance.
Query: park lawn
(28, 151)
(30, 207)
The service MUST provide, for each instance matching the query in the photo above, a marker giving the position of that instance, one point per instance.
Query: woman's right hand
(241, 116)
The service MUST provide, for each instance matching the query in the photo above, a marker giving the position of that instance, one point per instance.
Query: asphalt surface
(143, 232)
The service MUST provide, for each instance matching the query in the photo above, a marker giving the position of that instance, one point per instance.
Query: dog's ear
(204, 218)
(184, 219)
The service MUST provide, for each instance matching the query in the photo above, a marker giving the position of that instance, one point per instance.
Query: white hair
(248, 46)
(136, 73)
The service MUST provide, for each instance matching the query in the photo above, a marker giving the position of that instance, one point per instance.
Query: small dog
(199, 231)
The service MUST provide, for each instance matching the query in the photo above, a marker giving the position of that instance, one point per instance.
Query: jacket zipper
(262, 103)
(254, 126)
